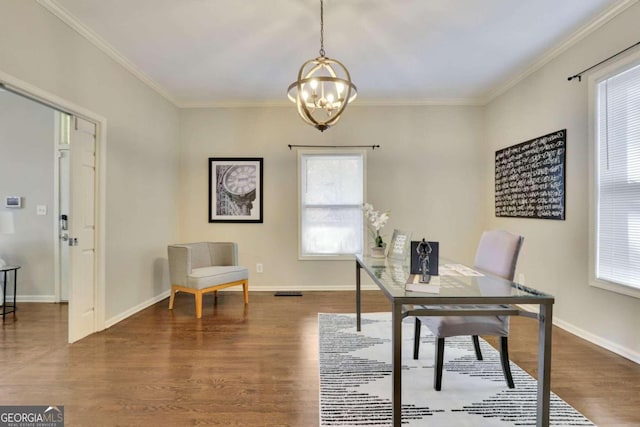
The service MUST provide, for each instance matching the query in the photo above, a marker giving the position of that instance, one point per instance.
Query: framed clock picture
(235, 189)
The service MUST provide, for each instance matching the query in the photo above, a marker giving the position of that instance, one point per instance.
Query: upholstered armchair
(199, 268)
(497, 254)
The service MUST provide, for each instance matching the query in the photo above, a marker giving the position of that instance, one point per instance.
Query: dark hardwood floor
(237, 366)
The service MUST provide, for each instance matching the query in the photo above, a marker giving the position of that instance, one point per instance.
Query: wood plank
(245, 365)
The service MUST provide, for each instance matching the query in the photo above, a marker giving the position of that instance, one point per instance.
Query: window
(331, 197)
(617, 180)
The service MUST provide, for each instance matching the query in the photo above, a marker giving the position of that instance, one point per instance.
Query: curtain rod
(373, 147)
(579, 75)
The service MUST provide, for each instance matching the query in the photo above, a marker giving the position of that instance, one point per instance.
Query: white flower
(376, 219)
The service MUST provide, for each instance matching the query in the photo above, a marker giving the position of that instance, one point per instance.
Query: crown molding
(553, 53)
(61, 13)
(236, 103)
(230, 103)
(73, 22)
(419, 102)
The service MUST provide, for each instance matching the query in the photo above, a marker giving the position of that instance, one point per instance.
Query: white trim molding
(65, 16)
(73, 22)
(554, 52)
(133, 310)
(598, 340)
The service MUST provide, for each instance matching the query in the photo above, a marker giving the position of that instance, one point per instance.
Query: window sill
(616, 287)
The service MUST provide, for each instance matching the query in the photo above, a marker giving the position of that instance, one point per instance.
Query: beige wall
(142, 149)
(434, 171)
(26, 169)
(555, 253)
(426, 172)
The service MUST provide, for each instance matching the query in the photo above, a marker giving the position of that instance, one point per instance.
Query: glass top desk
(458, 295)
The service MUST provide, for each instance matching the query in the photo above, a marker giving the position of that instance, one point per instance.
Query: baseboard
(308, 288)
(588, 336)
(133, 310)
(597, 340)
(32, 298)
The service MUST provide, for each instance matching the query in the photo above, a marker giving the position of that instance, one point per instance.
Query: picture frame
(399, 245)
(235, 189)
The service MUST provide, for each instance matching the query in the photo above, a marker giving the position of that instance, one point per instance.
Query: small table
(5, 271)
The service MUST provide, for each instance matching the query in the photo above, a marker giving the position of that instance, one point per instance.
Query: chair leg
(198, 304)
(245, 290)
(172, 297)
(437, 376)
(416, 339)
(476, 347)
(504, 358)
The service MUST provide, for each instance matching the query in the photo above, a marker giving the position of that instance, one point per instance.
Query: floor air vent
(288, 294)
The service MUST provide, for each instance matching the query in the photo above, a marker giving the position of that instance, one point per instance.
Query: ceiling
(231, 52)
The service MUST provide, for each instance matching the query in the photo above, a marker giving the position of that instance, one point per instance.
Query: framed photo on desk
(432, 258)
(399, 246)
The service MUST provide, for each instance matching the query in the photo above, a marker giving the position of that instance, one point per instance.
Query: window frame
(328, 152)
(611, 70)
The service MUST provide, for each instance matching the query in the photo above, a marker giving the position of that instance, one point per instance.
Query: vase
(377, 251)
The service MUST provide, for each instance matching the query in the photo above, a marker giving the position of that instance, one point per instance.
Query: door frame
(57, 185)
(56, 102)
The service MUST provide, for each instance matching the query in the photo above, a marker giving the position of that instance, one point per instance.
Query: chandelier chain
(322, 28)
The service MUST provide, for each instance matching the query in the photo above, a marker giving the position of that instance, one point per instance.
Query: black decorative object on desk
(432, 257)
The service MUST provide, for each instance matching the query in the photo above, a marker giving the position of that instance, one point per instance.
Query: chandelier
(323, 88)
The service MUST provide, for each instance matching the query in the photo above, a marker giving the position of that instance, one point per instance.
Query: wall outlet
(259, 267)
(41, 210)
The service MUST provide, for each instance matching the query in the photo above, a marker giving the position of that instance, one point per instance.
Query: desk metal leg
(4, 295)
(396, 338)
(358, 303)
(544, 364)
(15, 291)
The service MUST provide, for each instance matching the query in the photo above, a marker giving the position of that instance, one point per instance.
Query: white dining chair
(497, 254)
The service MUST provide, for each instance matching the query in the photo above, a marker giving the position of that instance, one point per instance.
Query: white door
(82, 230)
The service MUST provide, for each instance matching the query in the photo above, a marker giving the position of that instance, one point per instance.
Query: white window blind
(618, 178)
(331, 197)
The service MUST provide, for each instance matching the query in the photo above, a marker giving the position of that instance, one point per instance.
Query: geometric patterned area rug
(355, 380)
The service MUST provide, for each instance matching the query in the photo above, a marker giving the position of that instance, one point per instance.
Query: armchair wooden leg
(437, 376)
(172, 297)
(198, 304)
(245, 290)
(504, 358)
(416, 339)
(476, 347)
